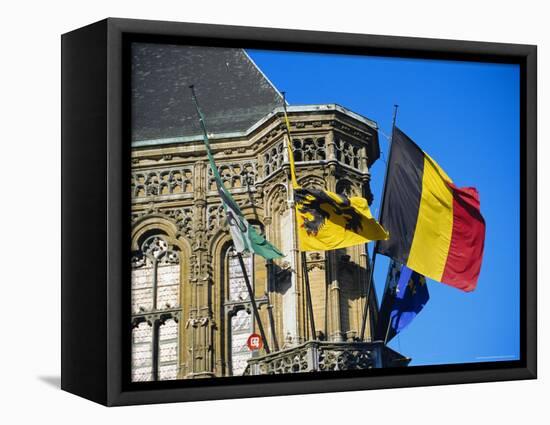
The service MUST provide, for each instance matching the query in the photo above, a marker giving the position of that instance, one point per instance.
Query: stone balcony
(321, 356)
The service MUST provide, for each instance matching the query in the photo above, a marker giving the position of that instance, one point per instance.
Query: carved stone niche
(316, 260)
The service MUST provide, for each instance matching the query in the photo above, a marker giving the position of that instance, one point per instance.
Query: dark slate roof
(232, 91)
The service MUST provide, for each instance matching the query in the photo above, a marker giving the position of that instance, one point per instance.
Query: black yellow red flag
(436, 228)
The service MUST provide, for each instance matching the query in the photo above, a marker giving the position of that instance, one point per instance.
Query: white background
(30, 209)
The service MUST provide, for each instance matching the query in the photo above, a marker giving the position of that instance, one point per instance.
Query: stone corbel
(316, 260)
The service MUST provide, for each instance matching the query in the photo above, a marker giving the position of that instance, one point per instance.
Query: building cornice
(245, 134)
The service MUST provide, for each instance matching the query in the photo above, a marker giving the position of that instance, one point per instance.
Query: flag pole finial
(395, 108)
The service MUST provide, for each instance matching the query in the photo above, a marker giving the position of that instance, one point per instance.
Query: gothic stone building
(191, 314)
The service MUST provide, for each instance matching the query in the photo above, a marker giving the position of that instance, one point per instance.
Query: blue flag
(405, 296)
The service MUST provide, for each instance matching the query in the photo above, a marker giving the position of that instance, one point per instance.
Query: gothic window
(168, 350)
(309, 149)
(273, 159)
(241, 328)
(237, 304)
(142, 354)
(347, 153)
(155, 310)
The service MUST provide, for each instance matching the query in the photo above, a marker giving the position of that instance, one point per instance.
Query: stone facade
(191, 313)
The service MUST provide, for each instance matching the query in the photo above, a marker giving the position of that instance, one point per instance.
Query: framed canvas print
(251, 212)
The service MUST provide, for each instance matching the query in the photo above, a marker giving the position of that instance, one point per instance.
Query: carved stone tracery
(273, 159)
(161, 182)
(347, 153)
(235, 175)
(309, 149)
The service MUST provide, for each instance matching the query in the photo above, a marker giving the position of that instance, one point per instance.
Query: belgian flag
(436, 228)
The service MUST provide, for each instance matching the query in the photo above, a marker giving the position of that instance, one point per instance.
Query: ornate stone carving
(154, 246)
(273, 159)
(347, 153)
(161, 182)
(234, 175)
(309, 149)
(215, 218)
(314, 356)
(294, 361)
(315, 260)
(183, 217)
(334, 360)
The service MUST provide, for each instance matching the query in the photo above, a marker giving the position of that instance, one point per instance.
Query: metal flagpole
(392, 264)
(303, 258)
(253, 302)
(371, 271)
(239, 255)
(272, 322)
(308, 296)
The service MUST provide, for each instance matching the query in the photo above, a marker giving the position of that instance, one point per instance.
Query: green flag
(245, 237)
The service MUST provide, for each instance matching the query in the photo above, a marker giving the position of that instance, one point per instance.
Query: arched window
(237, 303)
(155, 310)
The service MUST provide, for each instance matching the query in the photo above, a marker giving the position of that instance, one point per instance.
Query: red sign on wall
(254, 342)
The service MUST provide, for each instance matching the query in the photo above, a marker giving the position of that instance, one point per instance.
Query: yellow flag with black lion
(327, 220)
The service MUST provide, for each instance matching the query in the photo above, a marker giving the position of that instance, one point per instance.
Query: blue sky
(466, 116)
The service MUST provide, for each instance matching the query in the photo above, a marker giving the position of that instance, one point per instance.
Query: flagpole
(308, 296)
(201, 119)
(239, 255)
(305, 274)
(271, 321)
(392, 263)
(373, 262)
(253, 302)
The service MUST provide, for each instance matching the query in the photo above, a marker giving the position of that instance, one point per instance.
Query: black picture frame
(95, 211)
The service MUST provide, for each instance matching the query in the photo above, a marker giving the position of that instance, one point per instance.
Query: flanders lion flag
(327, 220)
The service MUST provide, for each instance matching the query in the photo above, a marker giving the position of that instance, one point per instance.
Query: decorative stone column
(200, 324)
(334, 314)
(331, 147)
(291, 313)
